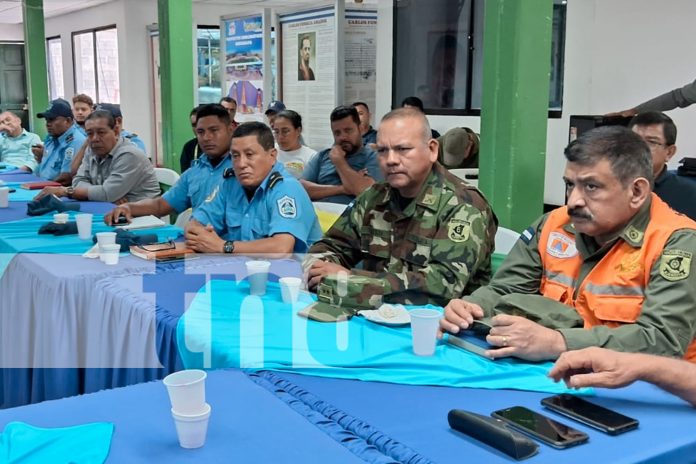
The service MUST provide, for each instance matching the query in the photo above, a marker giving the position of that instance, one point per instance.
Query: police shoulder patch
(69, 152)
(458, 230)
(287, 208)
(675, 264)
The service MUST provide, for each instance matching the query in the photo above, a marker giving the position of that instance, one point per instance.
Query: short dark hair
(82, 98)
(103, 114)
(213, 109)
(194, 110)
(415, 102)
(260, 130)
(358, 103)
(292, 116)
(653, 118)
(342, 112)
(228, 100)
(627, 153)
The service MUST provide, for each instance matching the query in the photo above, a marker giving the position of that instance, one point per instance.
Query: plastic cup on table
(4, 197)
(84, 225)
(187, 391)
(61, 218)
(290, 289)
(258, 276)
(111, 253)
(424, 324)
(105, 238)
(192, 428)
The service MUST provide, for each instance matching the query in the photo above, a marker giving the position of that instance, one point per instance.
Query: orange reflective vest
(612, 293)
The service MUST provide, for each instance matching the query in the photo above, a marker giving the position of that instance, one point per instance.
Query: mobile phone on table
(472, 339)
(589, 413)
(543, 428)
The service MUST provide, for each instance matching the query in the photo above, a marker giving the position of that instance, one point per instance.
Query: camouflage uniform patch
(458, 230)
(675, 264)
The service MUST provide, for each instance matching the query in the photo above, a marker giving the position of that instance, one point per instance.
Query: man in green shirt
(613, 268)
(15, 143)
(423, 236)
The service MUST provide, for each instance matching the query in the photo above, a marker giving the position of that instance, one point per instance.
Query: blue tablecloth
(416, 417)
(18, 210)
(225, 327)
(247, 424)
(18, 176)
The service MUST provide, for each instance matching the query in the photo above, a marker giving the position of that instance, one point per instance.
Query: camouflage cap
(339, 298)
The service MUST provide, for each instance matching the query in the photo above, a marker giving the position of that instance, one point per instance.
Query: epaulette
(131, 135)
(274, 179)
(69, 138)
(227, 173)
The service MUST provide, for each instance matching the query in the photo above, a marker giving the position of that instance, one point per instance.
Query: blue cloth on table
(8, 169)
(23, 194)
(22, 236)
(81, 444)
(230, 328)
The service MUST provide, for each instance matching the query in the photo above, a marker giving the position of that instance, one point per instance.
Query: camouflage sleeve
(667, 319)
(520, 272)
(458, 248)
(341, 243)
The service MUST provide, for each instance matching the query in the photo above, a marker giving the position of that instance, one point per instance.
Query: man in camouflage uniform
(613, 268)
(423, 236)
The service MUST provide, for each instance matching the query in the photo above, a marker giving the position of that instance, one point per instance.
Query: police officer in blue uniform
(62, 142)
(259, 208)
(214, 135)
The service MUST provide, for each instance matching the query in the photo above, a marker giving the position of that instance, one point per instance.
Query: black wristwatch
(228, 247)
(69, 191)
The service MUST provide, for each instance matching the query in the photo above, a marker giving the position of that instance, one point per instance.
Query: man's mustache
(576, 213)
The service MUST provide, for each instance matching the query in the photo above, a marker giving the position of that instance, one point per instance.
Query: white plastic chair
(335, 208)
(168, 177)
(468, 175)
(505, 239)
(183, 218)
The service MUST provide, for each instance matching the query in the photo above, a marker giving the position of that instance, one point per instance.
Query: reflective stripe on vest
(613, 292)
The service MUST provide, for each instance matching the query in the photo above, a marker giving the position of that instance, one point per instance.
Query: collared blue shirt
(321, 170)
(135, 139)
(281, 207)
(196, 184)
(59, 152)
(16, 151)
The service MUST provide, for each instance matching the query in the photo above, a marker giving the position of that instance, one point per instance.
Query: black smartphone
(472, 339)
(589, 413)
(121, 220)
(541, 427)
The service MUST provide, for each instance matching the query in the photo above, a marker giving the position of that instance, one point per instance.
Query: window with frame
(95, 58)
(54, 58)
(438, 55)
(208, 58)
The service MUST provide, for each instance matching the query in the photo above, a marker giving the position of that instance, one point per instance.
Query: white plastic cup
(111, 253)
(290, 289)
(84, 225)
(258, 276)
(187, 391)
(192, 428)
(105, 238)
(61, 218)
(4, 197)
(424, 324)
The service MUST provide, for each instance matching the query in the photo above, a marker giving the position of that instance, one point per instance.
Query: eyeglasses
(168, 245)
(655, 144)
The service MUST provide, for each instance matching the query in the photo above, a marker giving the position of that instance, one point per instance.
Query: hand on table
(57, 191)
(595, 367)
(320, 269)
(112, 216)
(524, 339)
(203, 239)
(459, 314)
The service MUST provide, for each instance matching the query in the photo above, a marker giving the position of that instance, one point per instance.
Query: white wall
(618, 53)
(12, 32)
